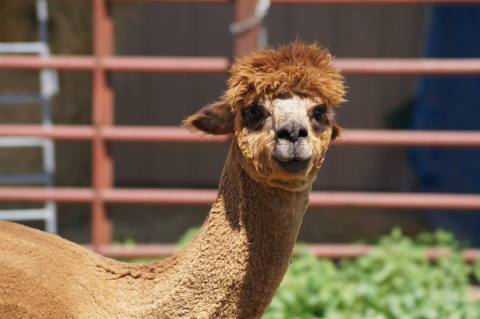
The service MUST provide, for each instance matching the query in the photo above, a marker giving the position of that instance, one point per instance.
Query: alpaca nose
(291, 132)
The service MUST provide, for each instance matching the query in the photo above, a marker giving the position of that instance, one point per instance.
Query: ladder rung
(21, 98)
(23, 47)
(15, 142)
(18, 179)
(25, 214)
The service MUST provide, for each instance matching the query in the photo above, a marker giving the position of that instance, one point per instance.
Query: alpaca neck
(236, 262)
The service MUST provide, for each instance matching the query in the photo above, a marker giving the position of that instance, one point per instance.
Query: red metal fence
(102, 131)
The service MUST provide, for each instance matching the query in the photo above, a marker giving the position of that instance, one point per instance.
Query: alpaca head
(279, 105)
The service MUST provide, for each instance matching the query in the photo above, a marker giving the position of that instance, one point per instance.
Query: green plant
(476, 270)
(128, 242)
(187, 237)
(439, 238)
(395, 281)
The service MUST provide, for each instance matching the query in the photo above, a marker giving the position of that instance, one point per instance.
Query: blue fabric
(450, 103)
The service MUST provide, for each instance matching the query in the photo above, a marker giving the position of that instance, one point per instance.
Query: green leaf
(395, 281)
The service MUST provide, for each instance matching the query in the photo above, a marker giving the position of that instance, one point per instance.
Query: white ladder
(48, 88)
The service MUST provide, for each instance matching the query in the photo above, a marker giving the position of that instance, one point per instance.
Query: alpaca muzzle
(293, 156)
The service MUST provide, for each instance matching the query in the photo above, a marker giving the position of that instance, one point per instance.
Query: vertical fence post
(102, 113)
(247, 41)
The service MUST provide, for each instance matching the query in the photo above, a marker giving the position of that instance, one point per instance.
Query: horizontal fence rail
(409, 66)
(206, 197)
(410, 138)
(366, 66)
(166, 64)
(119, 64)
(167, 134)
(71, 63)
(294, 2)
(333, 251)
(367, 1)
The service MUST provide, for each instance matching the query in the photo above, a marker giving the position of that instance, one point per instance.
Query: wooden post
(247, 41)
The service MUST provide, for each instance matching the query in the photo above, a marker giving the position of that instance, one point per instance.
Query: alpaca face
(283, 141)
(279, 106)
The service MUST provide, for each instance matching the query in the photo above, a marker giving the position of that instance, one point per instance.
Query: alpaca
(279, 109)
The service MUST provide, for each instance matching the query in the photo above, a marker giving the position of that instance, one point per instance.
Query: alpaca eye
(319, 113)
(254, 113)
(254, 116)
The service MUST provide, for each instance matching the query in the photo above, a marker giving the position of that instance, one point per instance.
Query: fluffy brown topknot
(296, 68)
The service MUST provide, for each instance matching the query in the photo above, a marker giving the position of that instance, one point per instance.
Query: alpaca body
(230, 270)
(44, 276)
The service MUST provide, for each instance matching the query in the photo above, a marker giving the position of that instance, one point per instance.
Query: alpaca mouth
(292, 158)
(295, 165)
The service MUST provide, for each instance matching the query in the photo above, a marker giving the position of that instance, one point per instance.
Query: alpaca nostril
(291, 133)
(283, 133)
(303, 132)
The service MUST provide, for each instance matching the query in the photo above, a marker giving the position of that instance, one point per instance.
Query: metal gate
(103, 131)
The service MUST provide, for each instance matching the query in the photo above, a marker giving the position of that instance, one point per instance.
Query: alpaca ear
(215, 118)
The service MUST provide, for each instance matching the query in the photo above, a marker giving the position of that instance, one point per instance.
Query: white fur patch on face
(294, 108)
(288, 161)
